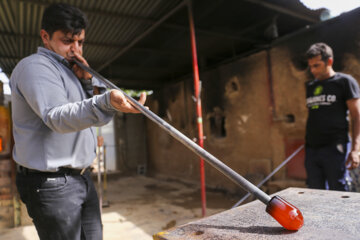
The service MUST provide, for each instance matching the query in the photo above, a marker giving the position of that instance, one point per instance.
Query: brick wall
(6, 166)
(6, 195)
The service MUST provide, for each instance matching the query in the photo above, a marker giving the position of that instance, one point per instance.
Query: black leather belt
(62, 170)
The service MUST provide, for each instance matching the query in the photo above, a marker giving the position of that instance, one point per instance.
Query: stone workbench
(327, 215)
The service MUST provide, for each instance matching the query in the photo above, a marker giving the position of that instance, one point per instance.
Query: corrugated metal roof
(224, 29)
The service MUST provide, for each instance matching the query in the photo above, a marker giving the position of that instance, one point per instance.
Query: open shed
(252, 69)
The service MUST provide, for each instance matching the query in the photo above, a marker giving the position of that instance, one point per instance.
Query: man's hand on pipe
(120, 102)
(79, 72)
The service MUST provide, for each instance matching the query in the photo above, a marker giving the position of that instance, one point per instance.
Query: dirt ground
(142, 206)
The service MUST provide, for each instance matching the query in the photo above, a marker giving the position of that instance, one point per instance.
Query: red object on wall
(295, 167)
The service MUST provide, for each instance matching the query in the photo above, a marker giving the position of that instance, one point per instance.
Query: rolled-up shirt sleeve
(89, 85)
(44, 90)
(96, 83)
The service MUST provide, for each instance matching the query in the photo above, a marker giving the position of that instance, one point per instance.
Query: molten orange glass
(286, 214)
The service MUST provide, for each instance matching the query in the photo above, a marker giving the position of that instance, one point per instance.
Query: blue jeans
(325, 167)
(62, 206)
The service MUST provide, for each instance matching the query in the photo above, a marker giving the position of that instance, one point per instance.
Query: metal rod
(197, 90)
(216, 163)
(271, 174)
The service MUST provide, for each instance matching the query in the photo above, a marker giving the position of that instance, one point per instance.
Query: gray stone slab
(327, 215)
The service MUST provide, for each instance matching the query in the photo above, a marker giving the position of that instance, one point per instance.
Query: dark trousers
(325, 167)
(62, 206)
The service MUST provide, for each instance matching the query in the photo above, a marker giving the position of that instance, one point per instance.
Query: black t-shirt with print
(326, 101)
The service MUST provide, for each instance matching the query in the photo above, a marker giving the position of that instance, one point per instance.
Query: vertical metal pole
(198, 105)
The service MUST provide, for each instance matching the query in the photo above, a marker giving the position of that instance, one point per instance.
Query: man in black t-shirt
(329, 98)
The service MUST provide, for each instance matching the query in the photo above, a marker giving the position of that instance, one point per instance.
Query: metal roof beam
(141, 36)
(211, 6)
(212, 33)
(283, 10)
(223, 35)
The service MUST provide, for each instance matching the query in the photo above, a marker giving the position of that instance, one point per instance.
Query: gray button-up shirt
(53, 114)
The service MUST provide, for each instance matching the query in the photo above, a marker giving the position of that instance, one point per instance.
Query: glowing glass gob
(286, 214)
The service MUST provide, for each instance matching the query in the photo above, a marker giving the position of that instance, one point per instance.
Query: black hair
(319, 49)
(64, 17)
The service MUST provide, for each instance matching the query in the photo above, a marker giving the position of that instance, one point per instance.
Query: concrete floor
(142, 206)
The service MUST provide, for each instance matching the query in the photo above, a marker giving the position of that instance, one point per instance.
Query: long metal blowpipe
(270, 175)
(286, 214)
